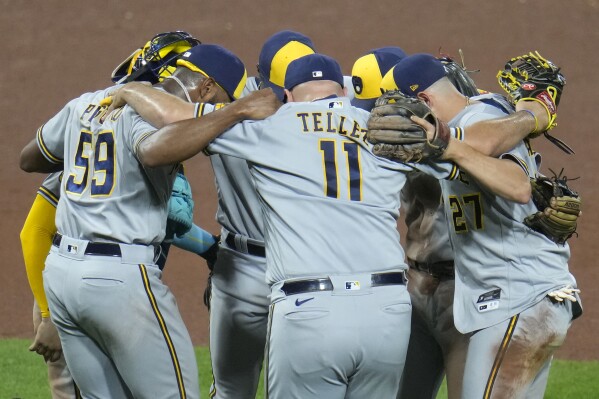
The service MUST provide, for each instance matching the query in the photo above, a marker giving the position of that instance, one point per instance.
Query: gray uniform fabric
(119, 324)
(60, 380)
(436, 347)
(504, 272)
(327, 201)
(50, 188)
(239, 297)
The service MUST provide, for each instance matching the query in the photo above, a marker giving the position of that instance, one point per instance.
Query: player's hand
(257, 105)
(47, 342)
(428, 127)
(117, 98)
(564, 293)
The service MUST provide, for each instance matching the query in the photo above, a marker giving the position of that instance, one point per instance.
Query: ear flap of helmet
(127, 66)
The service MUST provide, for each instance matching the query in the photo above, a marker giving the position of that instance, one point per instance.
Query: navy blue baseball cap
(276, 54)
(368, 71)
(217, 62)
(313, 67)
(414, 74)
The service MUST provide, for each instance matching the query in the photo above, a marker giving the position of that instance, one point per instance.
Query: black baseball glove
(534, 78)
(458, 75)
(558, 208)
(396, 137)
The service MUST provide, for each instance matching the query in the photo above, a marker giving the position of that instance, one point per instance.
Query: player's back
(327, 198)
(489, 230)
(106, 194)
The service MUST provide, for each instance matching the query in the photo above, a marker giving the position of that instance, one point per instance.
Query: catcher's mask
(156, 59)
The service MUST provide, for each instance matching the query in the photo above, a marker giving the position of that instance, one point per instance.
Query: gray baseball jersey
(502, 266)
(239, 295)
(50, 188)
(314, 188)
(98, 189)
(436, 347)
(327, 201)
(504, 271)
(100, 273)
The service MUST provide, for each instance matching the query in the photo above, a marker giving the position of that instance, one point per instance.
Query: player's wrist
(541, 117)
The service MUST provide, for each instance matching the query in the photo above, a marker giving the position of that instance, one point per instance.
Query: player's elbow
(26, 165)
(149, 155)
(522, 192)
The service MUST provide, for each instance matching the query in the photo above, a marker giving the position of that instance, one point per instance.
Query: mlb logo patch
(488, 306)
(317, 74)
(186, 54)
(336, 104)
(72, 249)
(352, 285)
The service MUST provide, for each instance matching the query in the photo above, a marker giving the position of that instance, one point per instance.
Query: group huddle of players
(472, 293)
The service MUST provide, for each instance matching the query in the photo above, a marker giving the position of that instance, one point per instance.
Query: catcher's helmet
(156, 59)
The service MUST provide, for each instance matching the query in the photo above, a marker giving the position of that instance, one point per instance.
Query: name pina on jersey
(94, 111)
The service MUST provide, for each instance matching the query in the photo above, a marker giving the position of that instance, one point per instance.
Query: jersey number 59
(95, 162)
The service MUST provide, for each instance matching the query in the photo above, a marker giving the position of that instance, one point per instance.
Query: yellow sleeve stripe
(454, 172)
(200, 110)
(45, 152)
(141, 138)
(48, 195)
(519, 161)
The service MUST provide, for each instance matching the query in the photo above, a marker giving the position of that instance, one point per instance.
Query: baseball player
(106, 182)
(368, 71)
(311, 176)
(150, 63)
(36, 239)
(239, 294)
(500, 302)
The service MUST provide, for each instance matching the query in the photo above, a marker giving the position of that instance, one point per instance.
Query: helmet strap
(181, 85)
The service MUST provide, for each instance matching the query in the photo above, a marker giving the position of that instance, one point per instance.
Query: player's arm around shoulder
(502, 177)
(157, 107)
(184, 139)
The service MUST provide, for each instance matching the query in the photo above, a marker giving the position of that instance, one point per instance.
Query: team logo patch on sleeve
(352, 285)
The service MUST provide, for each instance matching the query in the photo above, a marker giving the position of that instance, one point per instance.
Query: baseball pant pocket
(306, 315)
(102, 282)
(397, 308)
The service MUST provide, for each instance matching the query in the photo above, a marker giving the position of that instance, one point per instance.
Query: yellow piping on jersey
(500, 354)
(44, 149)
(48, 196)
(165, 333)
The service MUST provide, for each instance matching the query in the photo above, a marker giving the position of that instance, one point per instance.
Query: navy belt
(252, 249)
(94, 248)
(325, 284)
(443, 269)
